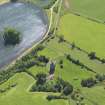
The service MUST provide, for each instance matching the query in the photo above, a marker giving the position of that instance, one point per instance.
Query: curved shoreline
(10, 60)
(37, 43)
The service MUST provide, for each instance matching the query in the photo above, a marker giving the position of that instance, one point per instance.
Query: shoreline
(25, 52)
(12, 61)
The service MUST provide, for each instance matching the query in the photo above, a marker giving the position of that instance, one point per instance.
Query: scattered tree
(11, 36)
(92, 55)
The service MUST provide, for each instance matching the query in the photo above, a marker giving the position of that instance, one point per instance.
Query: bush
(13, 1)
(103, 60)
(73, 45)
(88, 82)
(41, 79)
(43, 59)
(68, 89)
(51, 86)
(61, 39)
(92, 55)
(100, 78)
(11, 36)
(61, 66)
(52, 97)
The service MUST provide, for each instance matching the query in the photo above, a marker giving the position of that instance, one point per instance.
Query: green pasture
(86, 34)
(89, 8)
(20, 94)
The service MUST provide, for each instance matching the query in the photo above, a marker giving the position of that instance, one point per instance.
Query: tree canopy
(11, 36)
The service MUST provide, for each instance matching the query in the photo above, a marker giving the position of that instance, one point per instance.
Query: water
(26, 18)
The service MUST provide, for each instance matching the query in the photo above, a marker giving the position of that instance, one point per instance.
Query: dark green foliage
(61, 39)
(66, 86)
(88, 82)
(41, 79)
(61, 62)
(59, 85)
(13, 1)
(73, 45)
(92, 55)
(103, 60)
(61, 66)
(53, 97)
(50, 4)
(100, 78)
(43, 59)
(6, 74)
(55, 9)
(11, 36)
(91, 82)
(21, 65)
(68, 89)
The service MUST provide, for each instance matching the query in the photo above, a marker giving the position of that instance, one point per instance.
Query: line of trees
(89, 82)
(44, 85)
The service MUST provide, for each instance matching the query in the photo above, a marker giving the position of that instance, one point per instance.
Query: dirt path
(66, 4)
(3, 1)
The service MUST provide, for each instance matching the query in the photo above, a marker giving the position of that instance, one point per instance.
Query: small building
(52, 68)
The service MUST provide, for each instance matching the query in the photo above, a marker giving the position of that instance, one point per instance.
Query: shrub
(61, 62)
(52, 97)
(100, 77)
(61, 66)
(41, 78)
(13, 1)
(68, 89)
(43, 59)
(88, 82)
(73, 45)
(61, 39)
(92, 55)
(103, 60)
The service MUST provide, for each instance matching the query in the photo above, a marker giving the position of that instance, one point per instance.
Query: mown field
(86, 34)
(89, 37)
(89, 8)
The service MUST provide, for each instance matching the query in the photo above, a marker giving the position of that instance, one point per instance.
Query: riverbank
(25, 52)
(33, 28)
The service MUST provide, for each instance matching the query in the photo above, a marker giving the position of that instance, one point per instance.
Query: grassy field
(84, 33)
(20, 94)
(89, 8)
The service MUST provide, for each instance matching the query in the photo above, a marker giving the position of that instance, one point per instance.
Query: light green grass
(95, 95)
(89, 8)
(56, 51)
(88, 35)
